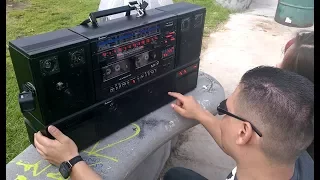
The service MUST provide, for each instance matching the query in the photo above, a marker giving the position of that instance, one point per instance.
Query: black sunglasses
(223, 109)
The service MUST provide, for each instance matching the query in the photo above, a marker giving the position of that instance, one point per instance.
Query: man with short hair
(268, 125)
(266, 128)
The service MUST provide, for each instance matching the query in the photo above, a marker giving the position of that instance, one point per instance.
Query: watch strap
(75, 160)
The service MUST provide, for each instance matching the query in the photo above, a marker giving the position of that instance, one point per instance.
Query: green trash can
(295, 13)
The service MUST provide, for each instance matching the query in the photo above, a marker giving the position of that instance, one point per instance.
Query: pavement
(247, 40)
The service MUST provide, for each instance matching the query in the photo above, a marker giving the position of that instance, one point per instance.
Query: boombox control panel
(92, 77)
(132, 57)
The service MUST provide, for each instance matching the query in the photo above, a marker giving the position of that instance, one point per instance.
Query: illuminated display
(128, 36)
(122, 51)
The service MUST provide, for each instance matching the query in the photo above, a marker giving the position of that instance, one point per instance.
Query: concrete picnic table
(137, 152)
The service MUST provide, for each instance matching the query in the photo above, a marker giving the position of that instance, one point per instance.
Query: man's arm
(81, 171)
(212, 125)
(189, 108)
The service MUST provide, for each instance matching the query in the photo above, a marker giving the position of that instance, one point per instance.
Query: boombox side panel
(190, 26)
(23, 73)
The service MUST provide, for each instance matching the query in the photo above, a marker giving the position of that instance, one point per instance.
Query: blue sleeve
(304, 168)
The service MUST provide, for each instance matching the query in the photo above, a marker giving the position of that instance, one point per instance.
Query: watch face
(64, 170)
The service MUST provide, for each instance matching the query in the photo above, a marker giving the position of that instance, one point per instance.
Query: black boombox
(93, 79)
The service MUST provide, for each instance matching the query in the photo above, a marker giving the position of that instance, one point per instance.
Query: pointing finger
(177, 95)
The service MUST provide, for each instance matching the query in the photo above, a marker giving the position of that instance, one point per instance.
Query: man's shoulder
(304, 168)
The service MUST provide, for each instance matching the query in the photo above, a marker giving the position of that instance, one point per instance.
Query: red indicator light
(114, 51)
(119, 49)
(104, 54)
(184, 71)
(155, 37)
(169, 36)
(133, 81)
(134, 45)
(138, 43)
(195, 66)
(142, 42)
(171, 32)
(172, 39)
(166, 42)
(147, 40)
(129, 46)
(180, 73)
(124, 48)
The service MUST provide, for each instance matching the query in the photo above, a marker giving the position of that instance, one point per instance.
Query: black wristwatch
(65, 167)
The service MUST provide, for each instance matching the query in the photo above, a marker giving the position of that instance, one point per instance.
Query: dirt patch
(206, 40)
(11, 5)
(205, 44)
(265, 26)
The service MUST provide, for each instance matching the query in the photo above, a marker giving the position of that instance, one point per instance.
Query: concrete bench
(136, 152)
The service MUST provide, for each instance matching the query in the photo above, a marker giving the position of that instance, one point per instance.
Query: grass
(215, 14)
(41, 16)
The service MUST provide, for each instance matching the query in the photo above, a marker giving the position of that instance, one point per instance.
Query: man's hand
(187, 106)
(55, 151)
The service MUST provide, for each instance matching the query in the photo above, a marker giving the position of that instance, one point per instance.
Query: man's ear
(244, 134)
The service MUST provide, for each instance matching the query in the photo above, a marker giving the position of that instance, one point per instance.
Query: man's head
(275, 102)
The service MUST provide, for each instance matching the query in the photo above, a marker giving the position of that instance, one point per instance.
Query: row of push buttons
(130, 46)
(169, 37)
(187, 70)
(132, 81)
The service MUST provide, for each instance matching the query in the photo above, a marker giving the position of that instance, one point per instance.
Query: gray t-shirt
(304, 169)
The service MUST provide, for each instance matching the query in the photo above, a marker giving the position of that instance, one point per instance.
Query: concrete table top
(117, 156)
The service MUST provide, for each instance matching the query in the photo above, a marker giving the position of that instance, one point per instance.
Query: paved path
(247, 40)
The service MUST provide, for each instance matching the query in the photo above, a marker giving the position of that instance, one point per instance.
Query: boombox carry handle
(94, 15)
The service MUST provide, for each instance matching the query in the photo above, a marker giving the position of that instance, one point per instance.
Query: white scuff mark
(204, 104)
(288, 20)
(169, 126)
(175, 116)
(205, 87)
(171, 123)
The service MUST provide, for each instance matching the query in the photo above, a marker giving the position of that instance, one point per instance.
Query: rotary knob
(112, 107)
(108, 71)
(60, 86)
(146, 56)
(49, 66)
(77, 58)
(117, 67)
